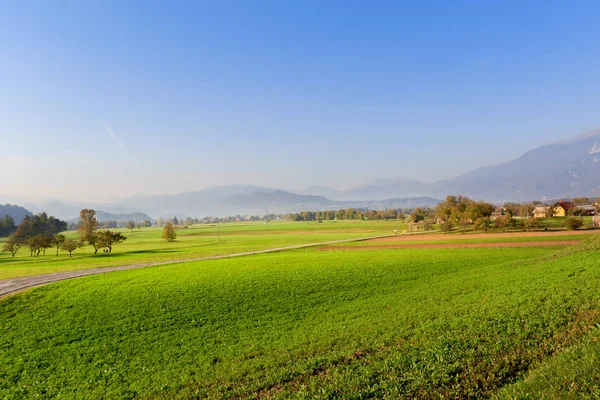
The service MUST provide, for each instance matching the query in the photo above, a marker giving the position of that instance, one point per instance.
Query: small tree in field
(46, 242)
(532, 224)
(446, 226)
(95, 242)
(483, 224)
(106, 239)
(574, 223)
(36, 244)
(169, 232)
(59, 239)
(88, 225)
(13, 244)
(464, 221)
(130, 225)
(503, 222)
(70, 245)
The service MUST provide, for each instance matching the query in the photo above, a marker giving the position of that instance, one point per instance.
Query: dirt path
(452, 245)
(14, 285)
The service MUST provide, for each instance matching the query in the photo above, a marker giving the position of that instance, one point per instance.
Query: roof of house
(543, 208)
(586, 207)
(567, 205)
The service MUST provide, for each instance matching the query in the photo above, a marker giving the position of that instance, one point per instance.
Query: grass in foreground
(572, 374)
(390, 324)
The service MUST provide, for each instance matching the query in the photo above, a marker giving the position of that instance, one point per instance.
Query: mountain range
(563, 169)
(254, 200)
(16, 212)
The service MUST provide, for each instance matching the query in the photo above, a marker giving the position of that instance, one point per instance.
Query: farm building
(498, 212)
(586, 209)
(420, 226)
(541, 211)
(563, 208)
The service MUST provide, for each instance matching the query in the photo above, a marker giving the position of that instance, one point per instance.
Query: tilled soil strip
(451, 245)
(454, 236)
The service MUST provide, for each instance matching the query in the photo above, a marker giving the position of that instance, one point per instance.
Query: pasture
(146, 245)
(385, 323)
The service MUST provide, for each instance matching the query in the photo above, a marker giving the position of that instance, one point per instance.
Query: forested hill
(16, 212)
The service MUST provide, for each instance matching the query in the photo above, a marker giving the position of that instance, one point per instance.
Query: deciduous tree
(106, 239)
(88, 225)
(59, 239)
(46, 242)
(169, 233)
(503, 222)
(574, 223)
(130, 225)
(70, 245)
(446, 225)
(483, 224)
(13, 244)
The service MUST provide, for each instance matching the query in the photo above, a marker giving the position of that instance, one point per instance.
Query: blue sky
(108, 99)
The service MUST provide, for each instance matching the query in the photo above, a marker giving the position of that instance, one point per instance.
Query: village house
(563, 208)
(498, 212)
(541, 211)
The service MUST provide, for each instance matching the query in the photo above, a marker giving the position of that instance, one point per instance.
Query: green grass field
(146, 244)
(435, 323)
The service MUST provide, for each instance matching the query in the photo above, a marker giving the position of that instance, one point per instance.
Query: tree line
(41, 232)
(7, 225)
(462, 212)
(354, 214)
(131, 225)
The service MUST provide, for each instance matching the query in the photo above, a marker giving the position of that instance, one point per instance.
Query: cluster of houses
(563, 209)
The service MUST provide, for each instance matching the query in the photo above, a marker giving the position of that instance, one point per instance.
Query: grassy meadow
(402, 323)
(146, 245)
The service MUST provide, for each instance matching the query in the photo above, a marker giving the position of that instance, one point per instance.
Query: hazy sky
(108, 99)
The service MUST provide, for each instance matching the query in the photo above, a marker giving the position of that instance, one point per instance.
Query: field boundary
(15, 285)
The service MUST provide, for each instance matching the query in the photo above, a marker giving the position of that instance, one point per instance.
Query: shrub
(531, 224)
(574, 223)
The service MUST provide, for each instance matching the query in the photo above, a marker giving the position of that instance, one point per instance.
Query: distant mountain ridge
(103, 216)
(557, 170)
(561, 169)
(17, 213)
(252, 200)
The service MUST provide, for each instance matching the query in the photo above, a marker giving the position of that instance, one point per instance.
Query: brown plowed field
(452, 245)
(454, 236)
